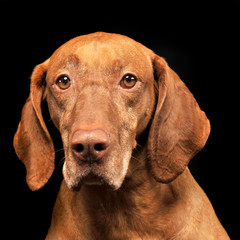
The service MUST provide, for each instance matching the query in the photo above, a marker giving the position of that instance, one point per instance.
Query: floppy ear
(179, 128)
(32, 141)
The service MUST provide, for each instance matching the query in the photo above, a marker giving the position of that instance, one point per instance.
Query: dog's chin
(93, 180)
(88, 178)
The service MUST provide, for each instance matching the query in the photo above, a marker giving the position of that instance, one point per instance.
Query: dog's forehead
(102, 49)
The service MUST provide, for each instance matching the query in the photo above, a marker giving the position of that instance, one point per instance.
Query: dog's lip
(92, 179)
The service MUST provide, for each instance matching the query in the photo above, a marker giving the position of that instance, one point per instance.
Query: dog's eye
(128, 81)
(63, 82)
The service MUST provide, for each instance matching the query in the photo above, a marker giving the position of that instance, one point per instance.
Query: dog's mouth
(85, 176)
(109, 171)
(92, 179)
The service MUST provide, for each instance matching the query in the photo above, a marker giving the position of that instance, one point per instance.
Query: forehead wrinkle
(116, 66)
(72, 61)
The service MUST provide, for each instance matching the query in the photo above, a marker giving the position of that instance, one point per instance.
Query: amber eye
(63, 82)
(128, 81)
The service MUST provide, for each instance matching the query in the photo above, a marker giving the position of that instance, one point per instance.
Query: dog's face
(103, 90)
(99, 96)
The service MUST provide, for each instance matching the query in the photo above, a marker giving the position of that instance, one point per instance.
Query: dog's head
(103, 91)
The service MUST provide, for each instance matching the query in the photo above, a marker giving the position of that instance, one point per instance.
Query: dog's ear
(32, 141)
(179, 128)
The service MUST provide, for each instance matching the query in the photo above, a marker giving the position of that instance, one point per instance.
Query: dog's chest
(124, 224)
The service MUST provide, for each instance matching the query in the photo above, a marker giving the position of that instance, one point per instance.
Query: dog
(129, 128)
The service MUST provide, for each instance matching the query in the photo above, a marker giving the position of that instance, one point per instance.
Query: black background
(199, 40)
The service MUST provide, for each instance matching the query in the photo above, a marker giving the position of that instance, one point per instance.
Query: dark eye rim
(57, 82)
(124, 76)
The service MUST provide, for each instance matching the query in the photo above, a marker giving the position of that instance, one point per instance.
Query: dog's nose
(90, 145)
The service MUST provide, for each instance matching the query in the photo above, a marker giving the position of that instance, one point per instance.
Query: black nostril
(100, 147)
(78, 148)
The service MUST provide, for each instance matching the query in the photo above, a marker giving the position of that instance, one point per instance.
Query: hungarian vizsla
(129, 127)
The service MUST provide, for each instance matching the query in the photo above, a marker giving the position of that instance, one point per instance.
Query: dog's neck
(134, 205)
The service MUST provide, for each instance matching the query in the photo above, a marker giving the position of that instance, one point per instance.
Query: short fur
(140, 187)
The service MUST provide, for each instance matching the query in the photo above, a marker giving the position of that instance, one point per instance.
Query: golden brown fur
(126, 148)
